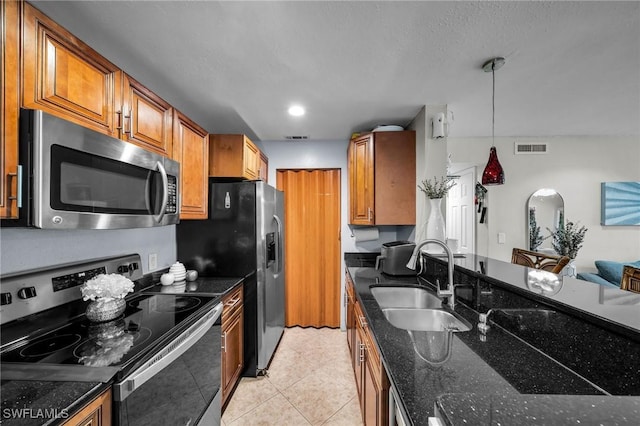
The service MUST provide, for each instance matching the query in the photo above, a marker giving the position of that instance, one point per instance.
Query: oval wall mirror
(545, 211)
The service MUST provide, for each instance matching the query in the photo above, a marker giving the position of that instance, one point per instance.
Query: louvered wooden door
(312, 244)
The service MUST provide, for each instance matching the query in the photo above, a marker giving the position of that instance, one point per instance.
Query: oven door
(179, 385)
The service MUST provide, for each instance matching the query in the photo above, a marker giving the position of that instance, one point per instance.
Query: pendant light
(493, 173)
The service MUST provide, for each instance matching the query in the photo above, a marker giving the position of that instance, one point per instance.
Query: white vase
(570, 269)
(435, 224)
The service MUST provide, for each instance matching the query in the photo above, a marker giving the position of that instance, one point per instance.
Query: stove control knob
(5, 298)
(27, 292)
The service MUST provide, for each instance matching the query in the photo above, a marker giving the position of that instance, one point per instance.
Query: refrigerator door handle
(279, 244)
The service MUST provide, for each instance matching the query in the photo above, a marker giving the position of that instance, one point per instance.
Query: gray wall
(23, 249)
(575, 166)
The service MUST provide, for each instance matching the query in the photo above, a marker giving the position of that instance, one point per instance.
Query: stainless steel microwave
(77, 178)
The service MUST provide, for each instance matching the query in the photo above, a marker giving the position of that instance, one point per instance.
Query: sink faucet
(449, 291)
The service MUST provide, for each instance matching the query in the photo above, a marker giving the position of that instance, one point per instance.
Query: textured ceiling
(573, 68)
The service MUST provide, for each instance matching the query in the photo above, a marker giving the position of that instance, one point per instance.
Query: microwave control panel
(172, 202)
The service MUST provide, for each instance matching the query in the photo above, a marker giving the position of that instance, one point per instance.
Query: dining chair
(630, 279)
(534, 259)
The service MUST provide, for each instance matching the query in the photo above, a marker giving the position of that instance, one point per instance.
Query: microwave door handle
(278, 244)
(165, 191)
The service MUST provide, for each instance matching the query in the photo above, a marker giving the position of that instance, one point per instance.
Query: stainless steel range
(165, 348)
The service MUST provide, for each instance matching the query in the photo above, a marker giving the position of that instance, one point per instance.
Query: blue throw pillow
(612, 271)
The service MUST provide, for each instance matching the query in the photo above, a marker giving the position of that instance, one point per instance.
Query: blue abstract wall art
(620, 203)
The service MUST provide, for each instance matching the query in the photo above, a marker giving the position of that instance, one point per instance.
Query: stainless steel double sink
(417, 309)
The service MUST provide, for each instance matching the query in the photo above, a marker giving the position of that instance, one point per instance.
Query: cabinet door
(351, 324)
(370, 398)
(145, 118)
(232, 354)
(96, 413)
(361, 173)
(375, 390)
(233, 156)
(251, 160)
(264, 167)
(359, 366)
(65, 77)
(395, 178)
(9, 108)
(191, 149)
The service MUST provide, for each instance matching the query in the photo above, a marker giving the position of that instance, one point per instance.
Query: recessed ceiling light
(296, 111)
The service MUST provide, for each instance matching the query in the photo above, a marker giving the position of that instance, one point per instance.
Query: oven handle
(169, 354)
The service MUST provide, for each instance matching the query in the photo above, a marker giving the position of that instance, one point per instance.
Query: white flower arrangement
(106, 286)
(437, 188)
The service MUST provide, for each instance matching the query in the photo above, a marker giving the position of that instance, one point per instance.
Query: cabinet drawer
(232, 305)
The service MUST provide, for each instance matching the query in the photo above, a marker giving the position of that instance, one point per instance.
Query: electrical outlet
(153, 262)
(502, 238)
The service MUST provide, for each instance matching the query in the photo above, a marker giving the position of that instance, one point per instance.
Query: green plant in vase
(437, 188)
(568, 239)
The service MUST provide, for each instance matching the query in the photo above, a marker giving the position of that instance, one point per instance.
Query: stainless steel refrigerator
(243, 237)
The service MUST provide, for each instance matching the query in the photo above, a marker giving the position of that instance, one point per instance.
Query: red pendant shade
(493, 173)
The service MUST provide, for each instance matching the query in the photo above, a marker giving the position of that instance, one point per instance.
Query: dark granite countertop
(556, 410)
(31, 403)
(614, 307)
(34, 403)
(202, 285)
(497, 364)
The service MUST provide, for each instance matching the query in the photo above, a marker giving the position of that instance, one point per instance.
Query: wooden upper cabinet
(9, 107)
(191, 150)
(382, 178)
(233, 156)
(361, 187)
(264, 168)
(65, 77)
(145, 119)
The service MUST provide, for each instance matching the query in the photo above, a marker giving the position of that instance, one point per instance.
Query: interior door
(312, 246)
(460, 211)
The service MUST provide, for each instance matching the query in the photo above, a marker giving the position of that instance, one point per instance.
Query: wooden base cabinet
(350, 300)
(96, 413)
(232, 342)
(371, 378)
(382, 178)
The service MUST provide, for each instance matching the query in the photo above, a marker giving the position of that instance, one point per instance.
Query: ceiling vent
(531, 148)
(297, 137)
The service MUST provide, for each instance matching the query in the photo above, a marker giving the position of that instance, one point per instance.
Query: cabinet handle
(18, 196)
(130, 131)
(131, 121)
(363, 323)
(361, 357)
(233, 302)
(369, 213)
(224, 342)
(119, 126)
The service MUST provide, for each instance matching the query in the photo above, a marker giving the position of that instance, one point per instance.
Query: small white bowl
(167, 279)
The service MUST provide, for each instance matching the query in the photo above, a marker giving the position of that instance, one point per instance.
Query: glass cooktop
(149, 319)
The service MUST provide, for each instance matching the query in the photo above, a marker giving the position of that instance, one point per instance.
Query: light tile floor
(310, 382)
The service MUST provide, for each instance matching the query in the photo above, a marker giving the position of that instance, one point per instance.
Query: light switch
(502, 237)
